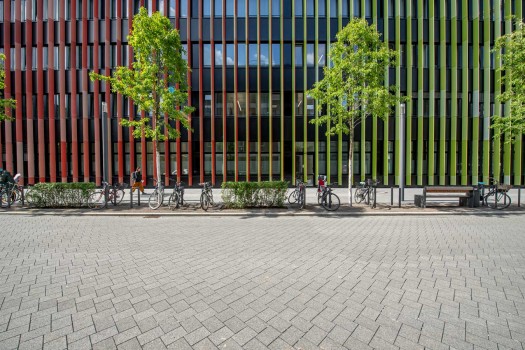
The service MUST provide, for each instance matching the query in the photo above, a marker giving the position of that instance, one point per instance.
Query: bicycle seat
(362, 182)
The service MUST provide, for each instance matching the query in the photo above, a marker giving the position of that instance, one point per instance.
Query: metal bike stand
(519, 197)
(391, 196)
(138, 198)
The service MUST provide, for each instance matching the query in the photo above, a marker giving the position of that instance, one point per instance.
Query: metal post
(402, 151)
(131, 198)
(105, 147)
(519, 196)
(138, 197)
(391, 196)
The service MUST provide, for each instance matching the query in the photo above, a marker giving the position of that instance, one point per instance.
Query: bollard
(399, 201)
(138, 198)
(391, 196)
(519, 196)
(375, 198)
(106, 195)
(131, 199)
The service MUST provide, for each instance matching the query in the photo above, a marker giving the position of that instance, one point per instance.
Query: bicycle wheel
(330, 201)
(302, 198)
(118, 196)
(372, 199)
(501, 201)
(4, 199)
(155, 200)
(96, 200)
(173, 201)
(205, 202)
(358, 195)
(292, 198)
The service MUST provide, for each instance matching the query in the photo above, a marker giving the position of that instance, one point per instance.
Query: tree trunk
(157, 154)
(350, 163)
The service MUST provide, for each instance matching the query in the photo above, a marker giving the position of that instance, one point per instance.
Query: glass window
(252, 54)
(241, 104)
(184, 8)
(263, 55)
(345, 9)
(230, 54)
(241, 9)
(230, 8)
(298, 55)
(252, 8)
(218, 54)
(299, 108)
(276, 54)
(276, 104)
(207, 105)
(321, 55)
(333, 8)
(321, 8)
(276, 8)
(171, 12)
(207, 55)
(310, 54)
(298, 8)
(218, 8)
(310, 8)
(206, 8)
(241, 55)
(56, 6)
(357, 8)
(264, 8)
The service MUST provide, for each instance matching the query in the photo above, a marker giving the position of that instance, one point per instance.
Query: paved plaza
(245, 282)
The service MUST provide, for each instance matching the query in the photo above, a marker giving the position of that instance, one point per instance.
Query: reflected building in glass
(251, 63)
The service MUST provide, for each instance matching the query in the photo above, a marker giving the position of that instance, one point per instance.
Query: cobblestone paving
(405, 282)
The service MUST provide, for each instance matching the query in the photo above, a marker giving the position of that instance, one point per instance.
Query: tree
(157, 80)
(353, 85)
(511, 50)
(4, 102)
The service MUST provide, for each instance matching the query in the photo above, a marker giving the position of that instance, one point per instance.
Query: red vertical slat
(131, 109)
(29, 95)
(167, 169)
(85, 85)
(51, 91)
(177, 124)
(7, 88)
(96, 92)
(224, 109)
(212, 92)
(247, 84)
(63, 127)
(108, 96)
(120, 143)
(19, 129)
(201, 95)
(143, 140)
(190, 139)
(40, 93)
(235, 106)
(73, 97)
(259, 127)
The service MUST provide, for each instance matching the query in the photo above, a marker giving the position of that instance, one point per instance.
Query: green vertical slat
(328, 148)
(397, 38)
(432, 93)
(496, 158)
(465, 162)
(442, 93)
(259, 100)
(340, 136)
(475, 94)
(316, 65)
(281, 60)
(305, 99)
(486, 90)
(374, 118)
(408, 124)
(294, 101)
(420, 112)
(507, 149)
(362, 143)
(270, 90)
(386, 121)
(518, 145)
(454, 94)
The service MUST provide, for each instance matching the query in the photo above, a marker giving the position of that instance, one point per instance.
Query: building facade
(251, 63)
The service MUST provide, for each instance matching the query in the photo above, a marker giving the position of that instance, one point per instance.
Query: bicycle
(116, 193)
(365, 192)
(298, 195)
(496, 197)
(7, 194)
(156, 198)
(177, 197)
(206, 195)
(329, 200)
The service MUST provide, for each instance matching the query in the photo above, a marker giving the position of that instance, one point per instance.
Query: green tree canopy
(353, 86)
(511, 50)
(4, 102)
(156, 82)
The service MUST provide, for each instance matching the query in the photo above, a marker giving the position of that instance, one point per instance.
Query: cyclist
(136, 181)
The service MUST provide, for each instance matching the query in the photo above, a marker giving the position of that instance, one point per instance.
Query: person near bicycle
(136, 181)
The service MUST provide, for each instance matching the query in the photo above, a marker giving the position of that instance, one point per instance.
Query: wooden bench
(445, 192)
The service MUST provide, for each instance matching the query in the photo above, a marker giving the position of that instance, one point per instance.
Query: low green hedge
(254, 194)
(59, 195)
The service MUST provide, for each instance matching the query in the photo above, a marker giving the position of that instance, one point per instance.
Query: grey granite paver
(433, 282)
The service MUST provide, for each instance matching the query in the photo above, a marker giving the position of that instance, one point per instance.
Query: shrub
(56, 195)
(254, 194)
